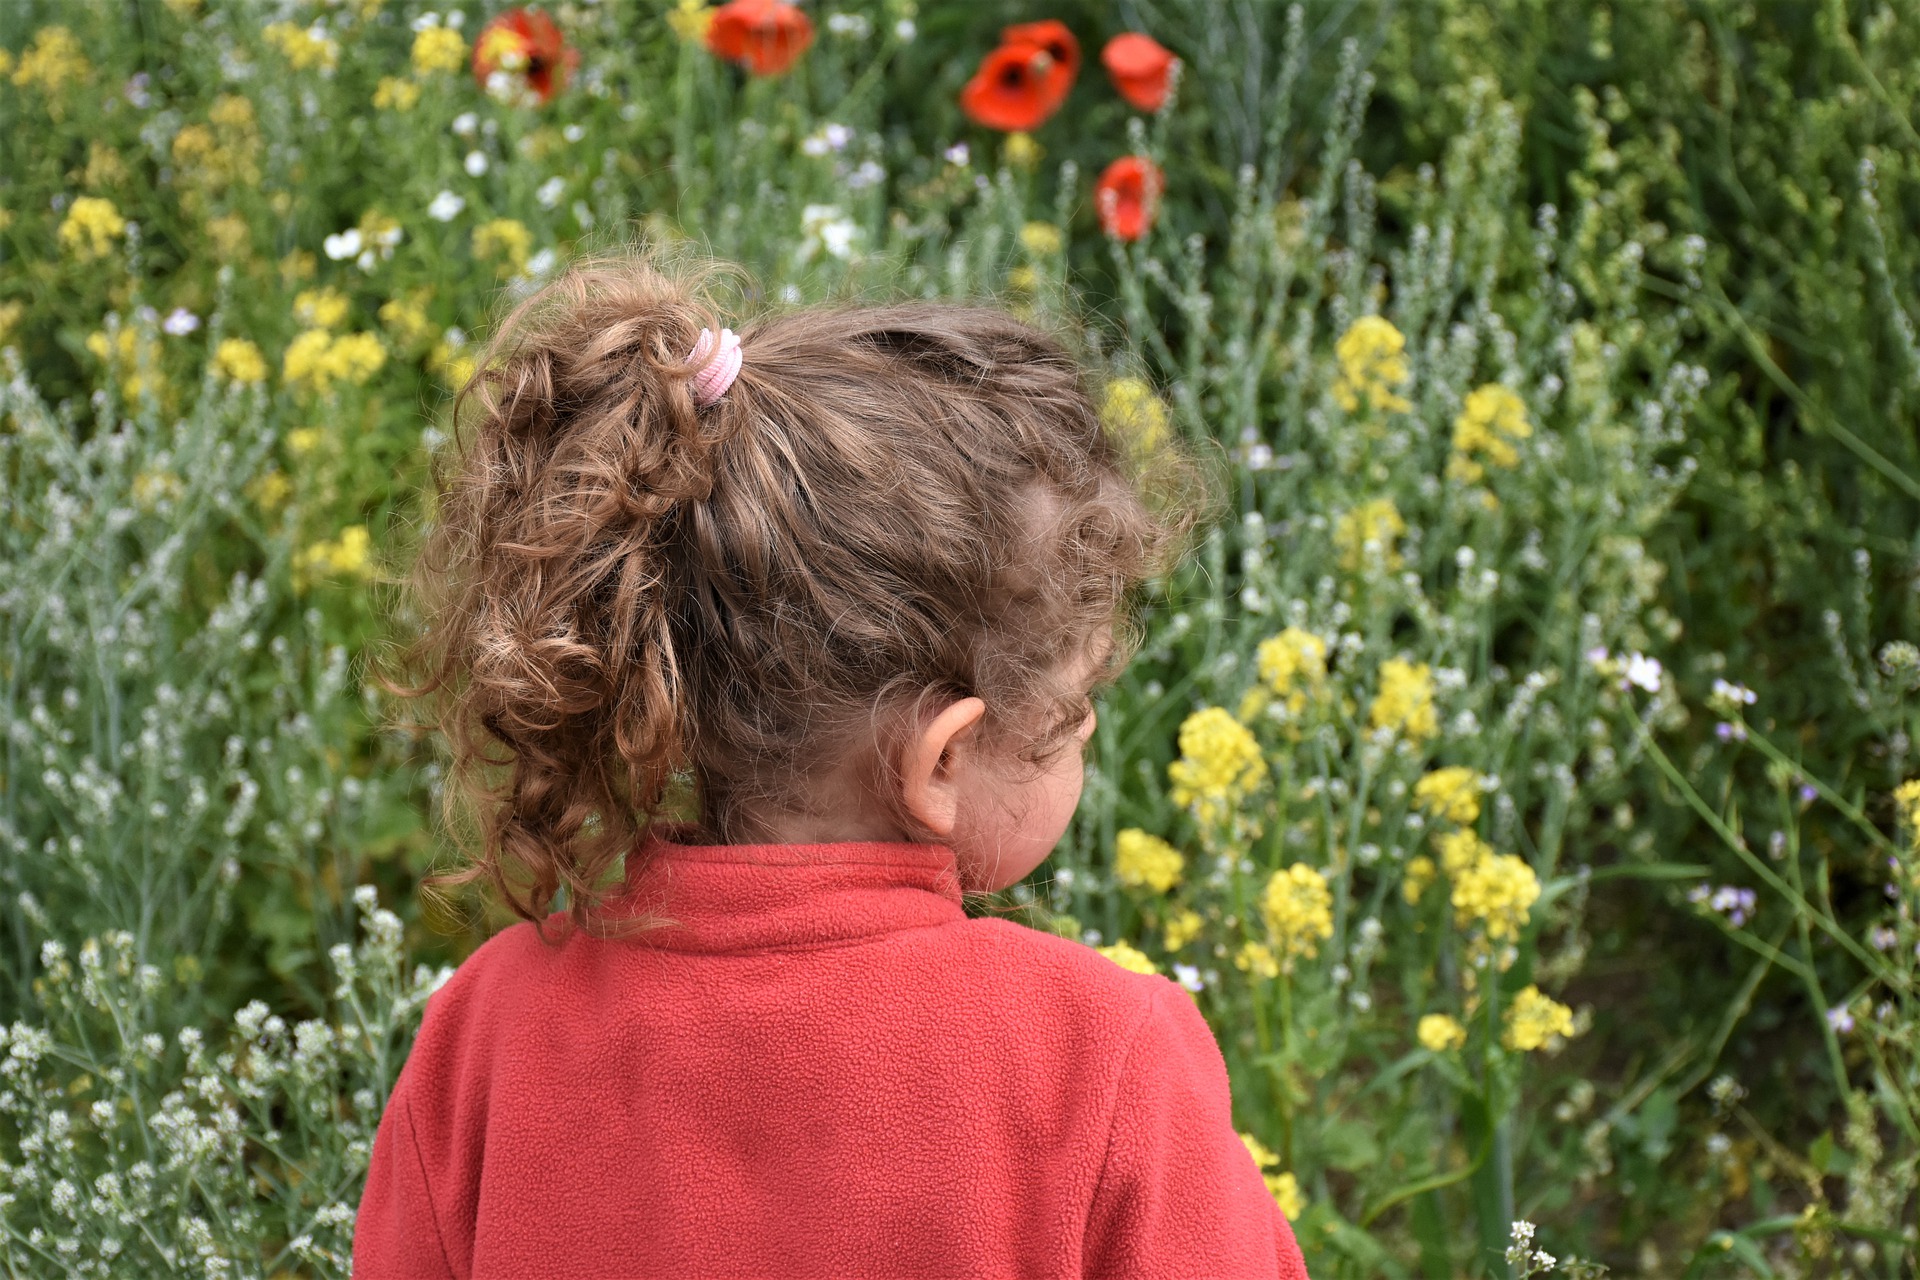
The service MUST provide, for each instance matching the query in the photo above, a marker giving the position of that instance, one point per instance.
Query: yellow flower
(303, 440)
(1285, 660)
(1285, 1189)
(1219, 764)
(1372, 364)
(1020, 279)
(1452, 793)
(438, 49)
(396, 94)
(1405, 701)
(297, 265)
(1132, 413)
(1907, 796)
(1263, 1156)
(1421, 873)
(52, 61)
(91, 226)
(1128, 958)
(238, 360)
(690, 20)
(1298, 908)
(1041, 239)
(1021, 151)
(1143, 860)
(1460, 850)
(1183, 926)
(1439, 1032)
(1489, 421)
(350, 555)
(270, 489)
(1256, 957)
(503, 238)
(303, 48)
(320, 308)
(130, 360)
(1366, 533)
(406, 319)
(316, 359)
(10, 313)
(1500, 890)
(1534, 1019)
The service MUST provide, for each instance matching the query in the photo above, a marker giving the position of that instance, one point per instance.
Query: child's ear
(930, 766)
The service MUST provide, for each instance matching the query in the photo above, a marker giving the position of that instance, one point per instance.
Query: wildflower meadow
(1519, 775)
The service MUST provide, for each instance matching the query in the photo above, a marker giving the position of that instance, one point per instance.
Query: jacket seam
(839, 945)
(1113, 1116)
(426, 1188)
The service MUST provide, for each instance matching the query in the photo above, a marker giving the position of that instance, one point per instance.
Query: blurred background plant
(1514, 776)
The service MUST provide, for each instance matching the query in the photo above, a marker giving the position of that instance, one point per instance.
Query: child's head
(879, 575)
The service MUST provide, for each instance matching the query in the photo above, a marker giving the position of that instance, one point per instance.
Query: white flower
(867, 175)
(541, 263)
(343, 246)
(465, 123)
(550, 191)
(1188, 976)
(1643, 671)
(826, 228)
(905, 29)
(1839, 1019)
(446, 206)
(180, 322)
(958, 154)
(425, 21)
(476, 163)
(855, 25)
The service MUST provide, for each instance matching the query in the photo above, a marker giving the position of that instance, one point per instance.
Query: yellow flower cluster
(406, 319)
(52, 61)
(1298, 908)
(90, 227)
(1492, 418)
(396, 93)
(1290, 665)
(303, 47)
(1907, 796)
(316, 359)
(1534, 1019)
(132, 361)
(506, 240)
(238, 360)
(1419, 877)
(151, 488)
(1129, 958)
(223, 152)
(1497, 889)
(1041, 239)
(1021, 151)
(349, 555)
(1146, 861)
(321, 308)
(1452, 793)
(690, 20)
(1372, 363)
(1219, 764)
(1439, 1032)
(1284, 1187)
(1183, 926)
(438, 49)
(1256, 957)
(1365, 535)
(1405, 701)
(1133, 414)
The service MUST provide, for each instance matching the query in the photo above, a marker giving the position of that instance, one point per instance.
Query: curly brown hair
(618, 590)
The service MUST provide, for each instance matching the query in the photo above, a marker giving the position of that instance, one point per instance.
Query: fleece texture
(822, 1067)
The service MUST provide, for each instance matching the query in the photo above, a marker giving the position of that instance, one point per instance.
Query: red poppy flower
(1060, 45)
(1140, 68)
(522, 53)
(1127, 197)
(768, 36)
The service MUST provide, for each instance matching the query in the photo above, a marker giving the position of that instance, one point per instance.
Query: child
(839, 588)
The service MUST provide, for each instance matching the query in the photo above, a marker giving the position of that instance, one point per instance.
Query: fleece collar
(749, 897)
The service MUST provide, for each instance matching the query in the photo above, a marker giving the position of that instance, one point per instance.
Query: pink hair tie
(714, 378)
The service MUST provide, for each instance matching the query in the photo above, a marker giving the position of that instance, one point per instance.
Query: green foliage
(1557, 366)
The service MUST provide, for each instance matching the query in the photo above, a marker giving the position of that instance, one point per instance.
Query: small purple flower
(1839, 1019)
(180, 322)
(1808, 793)
(1189, 977)
(1882, 938)
(136, 90)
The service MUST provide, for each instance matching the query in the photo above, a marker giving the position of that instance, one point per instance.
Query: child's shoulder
(1069, 971)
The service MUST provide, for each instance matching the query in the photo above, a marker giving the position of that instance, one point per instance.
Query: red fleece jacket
(822, 1068)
